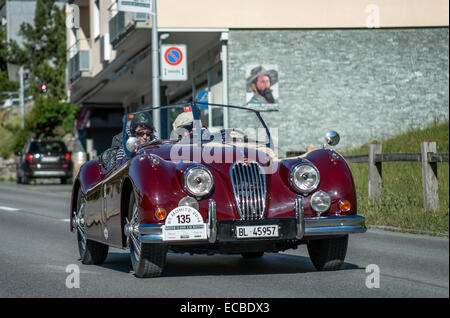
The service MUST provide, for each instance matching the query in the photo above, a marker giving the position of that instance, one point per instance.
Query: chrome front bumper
(299, 228)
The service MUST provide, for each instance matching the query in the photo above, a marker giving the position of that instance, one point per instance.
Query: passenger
(183, 126)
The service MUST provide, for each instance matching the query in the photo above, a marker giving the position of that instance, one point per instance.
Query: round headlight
(320, 201)
(198, 181)
(305, 177)
(189, 201)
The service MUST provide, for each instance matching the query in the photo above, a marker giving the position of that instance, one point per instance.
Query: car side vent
(249, 187)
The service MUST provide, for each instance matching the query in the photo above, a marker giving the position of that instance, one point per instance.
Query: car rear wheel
(91, 252)
(18, 178)
(328, 254)
(21, 178)
(148, 260)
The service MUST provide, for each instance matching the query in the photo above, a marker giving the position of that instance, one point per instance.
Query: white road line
(5, 208)
(65, 220)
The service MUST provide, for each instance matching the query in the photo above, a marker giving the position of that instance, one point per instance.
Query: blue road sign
(202, 97)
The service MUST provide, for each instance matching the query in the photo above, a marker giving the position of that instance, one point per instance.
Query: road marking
(5, 208)
(65, 220)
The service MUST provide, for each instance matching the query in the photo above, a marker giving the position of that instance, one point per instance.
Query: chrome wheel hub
(132, 233)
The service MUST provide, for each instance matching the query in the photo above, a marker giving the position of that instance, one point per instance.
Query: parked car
(43, 159)
(206, 191)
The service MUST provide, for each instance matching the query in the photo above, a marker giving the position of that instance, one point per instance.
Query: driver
(140, 127)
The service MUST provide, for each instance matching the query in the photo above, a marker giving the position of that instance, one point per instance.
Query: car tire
(328, 254)
(252, 255)
(91, 252)
(147, 260)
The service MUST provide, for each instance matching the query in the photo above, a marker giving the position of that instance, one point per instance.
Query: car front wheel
(328, 254)
(148, 260)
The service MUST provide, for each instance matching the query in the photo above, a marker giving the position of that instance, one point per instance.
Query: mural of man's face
(262, 87)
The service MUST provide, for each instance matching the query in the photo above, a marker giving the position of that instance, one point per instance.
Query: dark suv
(43, 159)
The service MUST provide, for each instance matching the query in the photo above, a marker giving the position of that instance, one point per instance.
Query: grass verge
(401, 203)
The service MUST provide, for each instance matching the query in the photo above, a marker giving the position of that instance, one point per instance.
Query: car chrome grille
(249, 187)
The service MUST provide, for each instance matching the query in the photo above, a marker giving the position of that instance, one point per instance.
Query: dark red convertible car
(212, 191)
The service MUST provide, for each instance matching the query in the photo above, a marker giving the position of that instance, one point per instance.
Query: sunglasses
(144, 133)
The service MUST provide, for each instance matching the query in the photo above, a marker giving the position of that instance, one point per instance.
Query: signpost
(202, 97)
(143, 6)
(173, 62)
(149, 7)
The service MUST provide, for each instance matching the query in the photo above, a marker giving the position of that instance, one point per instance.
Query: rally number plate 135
(256, 231)
(184, 223)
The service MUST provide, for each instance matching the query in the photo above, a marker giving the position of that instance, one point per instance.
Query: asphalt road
(36, 249)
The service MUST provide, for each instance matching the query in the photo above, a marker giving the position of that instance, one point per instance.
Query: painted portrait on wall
(262, 87)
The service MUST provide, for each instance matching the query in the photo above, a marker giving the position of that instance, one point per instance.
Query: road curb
(411, 231)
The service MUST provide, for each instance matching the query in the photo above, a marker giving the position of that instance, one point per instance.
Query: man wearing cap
(183, 125)
(260, 82)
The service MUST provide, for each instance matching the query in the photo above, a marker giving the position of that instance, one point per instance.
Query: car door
(111, 218)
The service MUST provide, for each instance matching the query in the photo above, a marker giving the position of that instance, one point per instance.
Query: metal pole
(21, 93)
(224, 58)
(155, 71)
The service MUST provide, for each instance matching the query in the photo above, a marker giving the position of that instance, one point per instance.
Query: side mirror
(132, 144)
(332, 138)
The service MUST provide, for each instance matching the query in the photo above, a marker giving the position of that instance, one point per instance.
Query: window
(96, 24)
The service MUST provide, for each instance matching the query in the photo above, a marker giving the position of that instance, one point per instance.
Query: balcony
(79, 60)
(122, 24)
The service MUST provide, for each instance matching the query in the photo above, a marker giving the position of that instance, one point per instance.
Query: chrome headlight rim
(294, 170)
(188, 172)
(324, 203)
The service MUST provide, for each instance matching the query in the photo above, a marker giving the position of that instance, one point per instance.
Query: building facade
(367, 69)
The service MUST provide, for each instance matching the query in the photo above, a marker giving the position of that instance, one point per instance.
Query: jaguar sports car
(193, 189)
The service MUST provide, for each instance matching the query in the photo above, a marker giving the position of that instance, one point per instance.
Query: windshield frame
(196, 114)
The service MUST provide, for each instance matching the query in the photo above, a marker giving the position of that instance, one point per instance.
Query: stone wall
(7, 169)
(365, 83)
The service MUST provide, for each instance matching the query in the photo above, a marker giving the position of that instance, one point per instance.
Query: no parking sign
(173, 62)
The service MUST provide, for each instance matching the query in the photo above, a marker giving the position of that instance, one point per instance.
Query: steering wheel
(233, 133)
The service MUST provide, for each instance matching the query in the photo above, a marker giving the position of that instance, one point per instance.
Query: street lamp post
(21, 98)
(155, 70)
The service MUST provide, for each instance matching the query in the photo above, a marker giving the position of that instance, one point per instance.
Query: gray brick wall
(366, 84)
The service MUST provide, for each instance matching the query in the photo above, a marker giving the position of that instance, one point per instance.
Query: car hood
(214, 153)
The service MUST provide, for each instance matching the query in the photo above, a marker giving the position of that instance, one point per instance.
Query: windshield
(184, 123)
(47, 146)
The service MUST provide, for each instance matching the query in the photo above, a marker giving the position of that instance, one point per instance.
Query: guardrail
(428, 157)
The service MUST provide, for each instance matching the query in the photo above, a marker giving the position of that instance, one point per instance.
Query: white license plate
(50, 159)
(256, 231)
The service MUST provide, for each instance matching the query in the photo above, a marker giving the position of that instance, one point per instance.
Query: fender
(335, 178)
(87, 177)
(156, 185)
(90, 175)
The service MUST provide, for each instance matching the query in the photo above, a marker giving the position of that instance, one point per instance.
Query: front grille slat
(255, 200)
(258, 189)
(249, 189)
(250, 213)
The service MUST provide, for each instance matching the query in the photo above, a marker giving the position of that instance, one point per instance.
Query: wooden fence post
(429, 177)
(375, 172)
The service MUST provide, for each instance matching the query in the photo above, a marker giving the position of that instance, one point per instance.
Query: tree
(5, 84)
(44, 54)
